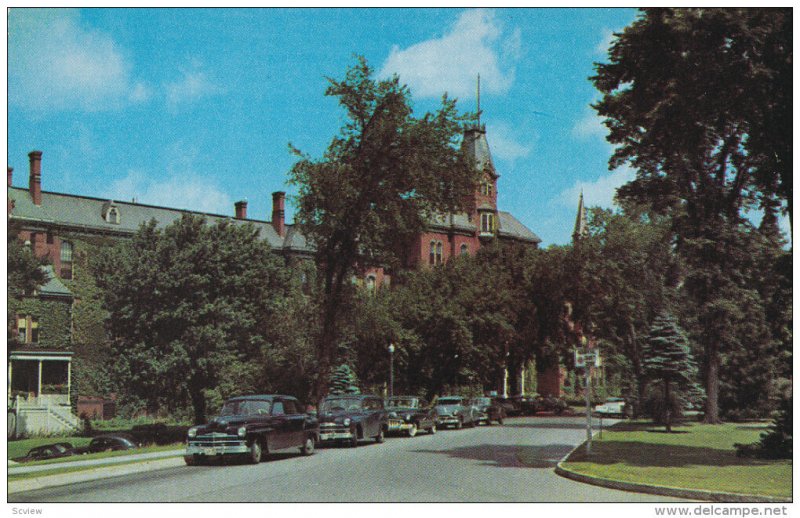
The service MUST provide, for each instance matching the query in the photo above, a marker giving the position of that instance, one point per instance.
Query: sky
(196, 108)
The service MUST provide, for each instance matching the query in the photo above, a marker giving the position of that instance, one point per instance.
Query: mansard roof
(508, 226)
(85, 214)
(476, 146)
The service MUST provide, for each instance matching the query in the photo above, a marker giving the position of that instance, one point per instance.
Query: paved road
(510, 463)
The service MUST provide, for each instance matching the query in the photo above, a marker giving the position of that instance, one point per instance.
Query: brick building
(63, 227)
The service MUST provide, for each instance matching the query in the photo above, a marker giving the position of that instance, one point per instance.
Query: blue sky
(194, 108)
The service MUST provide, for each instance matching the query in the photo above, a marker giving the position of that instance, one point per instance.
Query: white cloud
(504, 144)
(178, 186)
(55, 63)
(600, 193)
(183, 191)
(192, 86)
(605, 43)
(590, 126)
(474, 45)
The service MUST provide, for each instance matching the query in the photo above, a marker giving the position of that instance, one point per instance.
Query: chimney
(241, 209)
(35, 185)
(278, 202)
(10, 174)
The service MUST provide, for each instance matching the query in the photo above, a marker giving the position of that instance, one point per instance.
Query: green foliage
(374, 187)
(667, 359)
(696, 100)
(23, 274)
(344, 381)
(189, 306)
(53, 316)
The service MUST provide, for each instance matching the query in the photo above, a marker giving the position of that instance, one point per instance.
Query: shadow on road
(509, 456)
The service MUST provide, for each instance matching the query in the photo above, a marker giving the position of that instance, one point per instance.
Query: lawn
(21, 447)
(694, 456)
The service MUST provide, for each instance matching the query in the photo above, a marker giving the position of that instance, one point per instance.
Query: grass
(21, 447)
(694, 456)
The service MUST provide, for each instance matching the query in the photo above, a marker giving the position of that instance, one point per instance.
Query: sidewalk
(17, 468)
(102, 472)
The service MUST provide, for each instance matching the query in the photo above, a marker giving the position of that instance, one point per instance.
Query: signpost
(585, 359)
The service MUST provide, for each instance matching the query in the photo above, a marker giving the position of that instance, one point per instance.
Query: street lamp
(391, 369)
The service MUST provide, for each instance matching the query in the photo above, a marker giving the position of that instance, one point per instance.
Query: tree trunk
(667, 406)
(198, 402)
(712, 385)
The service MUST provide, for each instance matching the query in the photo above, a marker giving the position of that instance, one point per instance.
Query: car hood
(329, 417)
(448, 409)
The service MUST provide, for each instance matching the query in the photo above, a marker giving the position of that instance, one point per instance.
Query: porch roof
(36, 354)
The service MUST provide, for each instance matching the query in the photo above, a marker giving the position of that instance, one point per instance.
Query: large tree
(697, 100)
(189, 309)
(380, 179)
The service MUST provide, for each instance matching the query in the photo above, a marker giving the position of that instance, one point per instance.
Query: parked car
(613, 407)
(251, 427)
(108, 442)
(528, 405)
(510, 405)
(352, 417)
(488, 410)
(551, 404)
(410, 414)
(454, 411)
(47, 451)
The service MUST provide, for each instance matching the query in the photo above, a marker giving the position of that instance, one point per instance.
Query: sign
(590, 357)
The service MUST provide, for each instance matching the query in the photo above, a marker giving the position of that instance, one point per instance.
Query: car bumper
(335, 434)
(396, 425)
(220, 450)
(447, 421)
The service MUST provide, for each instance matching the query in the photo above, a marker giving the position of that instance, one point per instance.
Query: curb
(62, 479)
(689, 494)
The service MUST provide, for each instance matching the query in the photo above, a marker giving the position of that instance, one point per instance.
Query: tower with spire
(581, 228)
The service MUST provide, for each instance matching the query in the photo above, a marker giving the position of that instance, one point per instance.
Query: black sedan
(47, 451)
(410, 414)
(108, 442)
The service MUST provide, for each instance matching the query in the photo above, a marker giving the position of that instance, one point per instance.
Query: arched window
(464, 249)
(432, 256)
(372, 286)
(439, 252)
(66, 260)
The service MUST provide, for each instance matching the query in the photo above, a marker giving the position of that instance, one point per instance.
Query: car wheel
(413, 430)
(255, 452)
(500, 420)
(380, 437)
(308, 446)
(353, 440)
(432, 429)
(189, 460)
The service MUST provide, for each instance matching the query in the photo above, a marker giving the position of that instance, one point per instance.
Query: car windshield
(483, 401)
(340, 404)
(449, 401)
(245, 407)
(403, 403)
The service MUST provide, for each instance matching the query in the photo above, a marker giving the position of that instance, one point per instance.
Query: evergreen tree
(667, 359)
(344, 381)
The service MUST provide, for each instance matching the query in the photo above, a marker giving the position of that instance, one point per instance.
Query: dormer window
(111, 213)
(486, 188)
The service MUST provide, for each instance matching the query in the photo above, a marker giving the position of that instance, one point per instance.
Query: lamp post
(391, 369)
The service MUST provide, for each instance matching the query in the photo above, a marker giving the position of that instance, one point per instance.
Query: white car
(614, 406)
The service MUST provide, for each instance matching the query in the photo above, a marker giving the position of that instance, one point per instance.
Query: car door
(295, 423)
(280, 437)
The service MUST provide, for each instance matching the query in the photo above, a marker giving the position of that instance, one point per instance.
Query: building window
(435, 256)
(486, 188)
(66, 260)
(110, 212)
(28, 329)
(487, 223)
(464, 249)
(371, 284)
